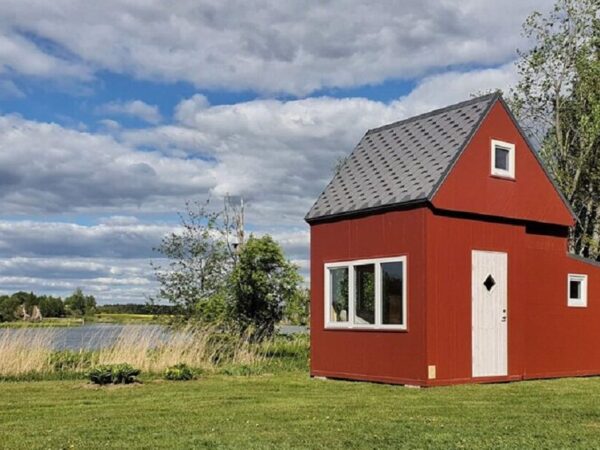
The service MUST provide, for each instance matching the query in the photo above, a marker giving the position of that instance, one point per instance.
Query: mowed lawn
(293, 411)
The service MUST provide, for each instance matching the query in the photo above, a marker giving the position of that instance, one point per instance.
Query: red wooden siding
(546, 338)
(388, 356)
(469, 186)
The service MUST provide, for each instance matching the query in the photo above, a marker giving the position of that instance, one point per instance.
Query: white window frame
(577, 302)
(350, 325)
(510, 173)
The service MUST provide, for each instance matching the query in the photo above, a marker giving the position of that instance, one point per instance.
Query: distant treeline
(134, 308)
(22, 305)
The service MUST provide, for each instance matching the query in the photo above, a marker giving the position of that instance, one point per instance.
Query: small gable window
(503, 159)
(577, 290)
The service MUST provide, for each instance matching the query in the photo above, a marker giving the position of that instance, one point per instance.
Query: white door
(489, 313)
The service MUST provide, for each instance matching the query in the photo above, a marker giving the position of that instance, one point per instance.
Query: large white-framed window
(503, 159)
(366, 294)
(577, 290)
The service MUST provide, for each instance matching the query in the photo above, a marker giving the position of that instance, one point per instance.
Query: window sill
(395, 328)
(503, 177)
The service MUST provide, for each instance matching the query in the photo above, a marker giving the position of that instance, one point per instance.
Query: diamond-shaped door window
(489, 282)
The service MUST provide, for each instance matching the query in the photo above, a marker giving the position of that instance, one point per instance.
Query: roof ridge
(435, 112)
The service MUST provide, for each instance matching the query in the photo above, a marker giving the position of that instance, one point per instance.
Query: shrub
(114, 374)
(101, 375)
(180, 372)
(263, 282)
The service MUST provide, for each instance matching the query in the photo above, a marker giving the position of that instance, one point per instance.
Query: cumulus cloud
(20, 54)
(110, 280)
(277, 154)
(118, 237)
(288, 46)
(280, 154)
(46, 168)
(110, 260)
(133, 108)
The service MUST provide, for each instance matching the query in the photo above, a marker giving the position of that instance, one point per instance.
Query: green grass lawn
(289, 410)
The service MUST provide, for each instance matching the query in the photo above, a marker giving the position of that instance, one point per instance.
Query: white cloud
(45, 168)
(133, 108)
(280, 154)
(116, 237)
(286, 46)
(110, 280)
(21, 55)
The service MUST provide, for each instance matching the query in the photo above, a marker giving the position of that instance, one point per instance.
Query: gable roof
(403, 162)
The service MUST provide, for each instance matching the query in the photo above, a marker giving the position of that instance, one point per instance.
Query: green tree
(297, 308)
(263, 281)
(199, 261)
(51, 306)
(8, 308)
(27, 299)
(79, 304)
(557, 100)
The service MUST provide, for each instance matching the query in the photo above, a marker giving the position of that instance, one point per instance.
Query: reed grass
(153, 350)
(23, 351)
(26, 352)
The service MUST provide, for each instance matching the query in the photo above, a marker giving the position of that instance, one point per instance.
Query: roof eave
(367, 211)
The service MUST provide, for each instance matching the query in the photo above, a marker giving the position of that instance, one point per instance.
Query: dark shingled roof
(404, 162)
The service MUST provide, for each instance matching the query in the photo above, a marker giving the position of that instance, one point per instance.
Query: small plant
(243, 370)
(179, 372)
(70, 361)
(113, 374)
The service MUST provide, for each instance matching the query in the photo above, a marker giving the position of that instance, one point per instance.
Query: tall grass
(151, 349)
(22, 351)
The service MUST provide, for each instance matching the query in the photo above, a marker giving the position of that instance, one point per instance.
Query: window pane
(575, 289)
(365, 294)
(501, 158)
(392, 280)
(338, 311)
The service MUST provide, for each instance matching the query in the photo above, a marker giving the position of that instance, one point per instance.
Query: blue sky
(113, 115)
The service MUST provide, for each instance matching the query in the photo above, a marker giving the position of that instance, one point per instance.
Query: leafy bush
(263, 282)
(113, 374)
(101, 375)
(70, 360)
(180, 372)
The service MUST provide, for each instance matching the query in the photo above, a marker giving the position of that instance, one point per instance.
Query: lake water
(95, 336)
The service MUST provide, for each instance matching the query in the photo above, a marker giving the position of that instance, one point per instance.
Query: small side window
(503, 159)
(577, 290)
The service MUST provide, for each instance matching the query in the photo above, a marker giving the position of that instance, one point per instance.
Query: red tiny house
(481, 256)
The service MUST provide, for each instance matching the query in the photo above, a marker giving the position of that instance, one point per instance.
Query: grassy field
(50, 322)
(53, 322)
(289, 410)
(127, 318)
